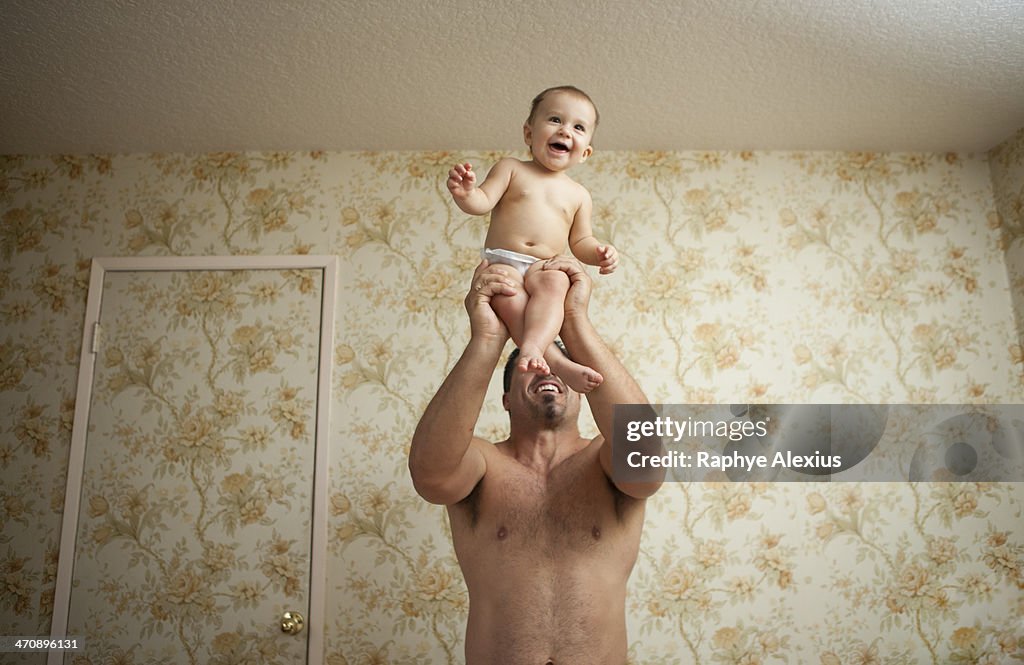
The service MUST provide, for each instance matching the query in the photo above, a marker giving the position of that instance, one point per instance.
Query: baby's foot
(579, 377)
(535, 364)
(582, 380)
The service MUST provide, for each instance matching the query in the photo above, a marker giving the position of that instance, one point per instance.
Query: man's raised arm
(586, 347)
(444, 463)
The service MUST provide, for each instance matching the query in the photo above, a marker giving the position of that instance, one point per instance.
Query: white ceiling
(117, 76)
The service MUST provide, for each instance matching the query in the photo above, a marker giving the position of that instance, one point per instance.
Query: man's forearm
(446, 428)
(619, 387)
(585, 346)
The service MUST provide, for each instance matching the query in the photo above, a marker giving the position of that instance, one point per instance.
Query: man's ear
(504, 401)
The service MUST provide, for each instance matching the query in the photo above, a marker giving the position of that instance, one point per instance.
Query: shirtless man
(545, 539)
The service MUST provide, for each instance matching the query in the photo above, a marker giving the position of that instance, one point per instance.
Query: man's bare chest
(574, 509)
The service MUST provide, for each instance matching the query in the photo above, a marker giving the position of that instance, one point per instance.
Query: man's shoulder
(587, 450)
(483, 443)
(502, 453)
(489, 449)
(593, 443)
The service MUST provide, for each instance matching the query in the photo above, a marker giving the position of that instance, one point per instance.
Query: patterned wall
(779, 277)
(1007, 164)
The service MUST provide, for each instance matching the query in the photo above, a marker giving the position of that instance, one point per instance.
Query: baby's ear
(527, 133)
(587, 153)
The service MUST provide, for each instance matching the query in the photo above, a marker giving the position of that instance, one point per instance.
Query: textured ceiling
(203, 75)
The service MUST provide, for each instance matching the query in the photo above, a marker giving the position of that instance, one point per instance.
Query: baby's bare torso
(546, 558)
(536, 214)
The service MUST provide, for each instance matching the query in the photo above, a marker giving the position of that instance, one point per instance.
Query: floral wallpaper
(761, 276)
(1007, 165)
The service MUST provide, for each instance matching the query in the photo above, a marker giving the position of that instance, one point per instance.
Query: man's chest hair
(573, 504)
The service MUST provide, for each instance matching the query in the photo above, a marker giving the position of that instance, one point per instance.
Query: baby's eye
(580, 128)
(555, 119)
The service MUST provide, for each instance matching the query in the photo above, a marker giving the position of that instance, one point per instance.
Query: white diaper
(509, 258)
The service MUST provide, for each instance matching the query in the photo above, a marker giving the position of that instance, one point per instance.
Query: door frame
(83, 402)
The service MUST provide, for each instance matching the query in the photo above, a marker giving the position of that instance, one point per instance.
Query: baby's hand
(461, 180)
(609, 259)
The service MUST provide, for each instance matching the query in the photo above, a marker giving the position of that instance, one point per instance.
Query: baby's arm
(585, 246)
(479, 200)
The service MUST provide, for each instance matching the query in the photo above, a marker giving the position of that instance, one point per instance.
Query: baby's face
(561, 130)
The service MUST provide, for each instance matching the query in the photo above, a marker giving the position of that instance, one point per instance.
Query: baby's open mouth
(559, 147)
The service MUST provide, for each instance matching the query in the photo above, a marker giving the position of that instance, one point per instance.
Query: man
(544, 536)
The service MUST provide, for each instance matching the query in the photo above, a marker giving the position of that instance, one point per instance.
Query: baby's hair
(563, 88)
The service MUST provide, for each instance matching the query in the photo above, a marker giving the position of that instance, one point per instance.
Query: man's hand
(461, 180)
(487, 283)
(577, 300)
(609, 259)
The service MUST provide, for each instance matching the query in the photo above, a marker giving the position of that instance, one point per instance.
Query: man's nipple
(502, 532)
(596, 532)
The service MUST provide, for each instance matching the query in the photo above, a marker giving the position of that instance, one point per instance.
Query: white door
(189, 537)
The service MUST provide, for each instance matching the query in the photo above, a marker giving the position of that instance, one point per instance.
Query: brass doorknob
(292, 623)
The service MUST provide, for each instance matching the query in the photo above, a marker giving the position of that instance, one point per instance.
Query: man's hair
(563, 88)
(506, 379)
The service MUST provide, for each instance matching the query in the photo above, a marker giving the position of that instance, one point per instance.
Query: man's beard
(549, 411)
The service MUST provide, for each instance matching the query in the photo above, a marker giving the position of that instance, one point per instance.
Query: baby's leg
(542, 319)
(511, 309)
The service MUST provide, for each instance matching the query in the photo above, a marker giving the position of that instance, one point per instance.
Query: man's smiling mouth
(548, 387)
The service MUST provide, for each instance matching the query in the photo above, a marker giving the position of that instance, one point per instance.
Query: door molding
(83, 400)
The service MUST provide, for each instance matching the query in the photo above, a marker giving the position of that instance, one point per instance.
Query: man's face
(544, 399)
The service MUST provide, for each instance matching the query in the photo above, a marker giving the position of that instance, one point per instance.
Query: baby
(537, 212)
